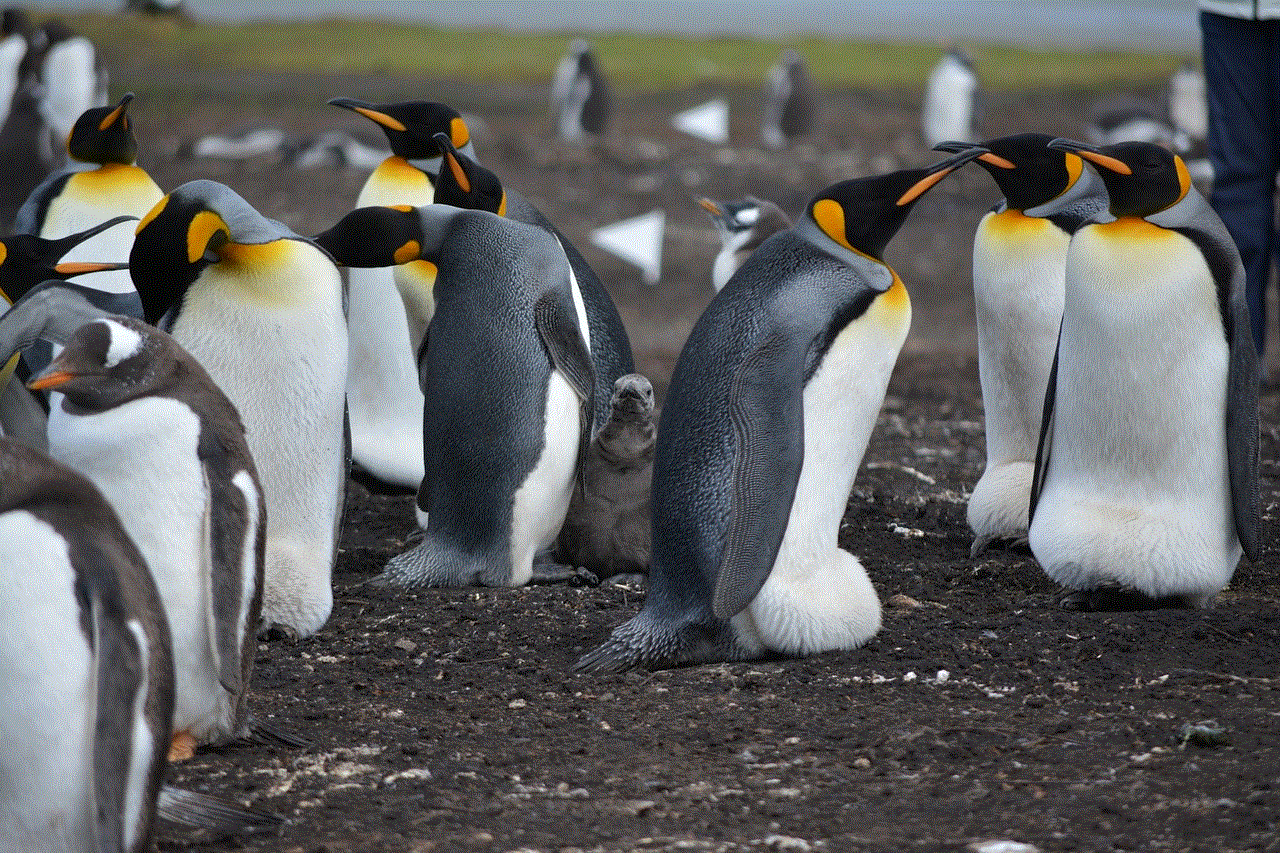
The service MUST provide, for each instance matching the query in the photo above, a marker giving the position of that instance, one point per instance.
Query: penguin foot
(276, 631)
(1110, 599)
(549, 572)
(1012, 543)
(635, 580)
(182, 747)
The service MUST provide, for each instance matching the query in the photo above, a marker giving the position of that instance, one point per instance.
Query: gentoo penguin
(74, 80)
(101, 184)
(742, 225)
(770, 408)
(606, 529)
(382, 387)
(1019, 260)
(467, 184)
(1146, 482)
(791, 104)
(86, 678)
(142, 419)
(950, 100)
(581, 98)
(261, 309)
(507, 381)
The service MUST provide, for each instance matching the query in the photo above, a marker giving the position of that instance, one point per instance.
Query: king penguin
(261, 309)
(86, 679)
(581, 97)
(771, 404)
(791, 103)
(507, 381)
(467, 184)
(143, 421)
(382, 386)
(1019, 261)
(1146, 481)
(742, 225)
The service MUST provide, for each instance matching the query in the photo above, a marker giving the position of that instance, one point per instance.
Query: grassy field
(636, 63)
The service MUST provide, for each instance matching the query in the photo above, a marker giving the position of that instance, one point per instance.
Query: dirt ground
(449, 720)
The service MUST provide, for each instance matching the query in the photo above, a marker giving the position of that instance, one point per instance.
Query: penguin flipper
(1242, 429)
(1046, 433)
(21, 415)
(767, 413)
(227, 527)
(563, 342)
(50, 311)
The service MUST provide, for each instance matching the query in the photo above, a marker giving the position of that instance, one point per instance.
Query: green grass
(637, 64)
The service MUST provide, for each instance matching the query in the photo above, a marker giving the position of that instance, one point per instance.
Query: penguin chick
(742, 225)
(143, 420)
(771, 404)
(261, 309)
(1146, 481)
(1019, 262)
(508, 404)
(606, 529)
(383, 392)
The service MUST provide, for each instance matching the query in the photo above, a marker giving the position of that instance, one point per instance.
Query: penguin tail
(259, 731)
(203, 811)
(431, 563)
(651, 641)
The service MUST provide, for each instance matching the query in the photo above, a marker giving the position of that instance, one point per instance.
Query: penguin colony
(203, 416)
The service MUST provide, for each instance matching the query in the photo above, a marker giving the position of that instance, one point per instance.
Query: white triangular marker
(709, 121)
(637, 240)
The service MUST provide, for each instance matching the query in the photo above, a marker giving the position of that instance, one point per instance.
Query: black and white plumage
(950, 109)
(1146, 482)
(581, 97)
(770, 408)
(1128, 118)
(742, 225)
(791, 103)
(143, 420)
(72, 77)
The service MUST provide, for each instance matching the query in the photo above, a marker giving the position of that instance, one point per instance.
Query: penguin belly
(282, 361)
(1136, 491)
(385, 399)
(46, 689)
(817, 596)
(142, 456)
(540, 503)
(1018, 267)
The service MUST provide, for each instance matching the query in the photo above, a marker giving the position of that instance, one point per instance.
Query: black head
(863, 214)
(1025, 168)
(14, 20)
(375, 237)
(463, 182)
(110, 361)
(104, 135)
(1142, 178)
(411, 126)
(27, 260)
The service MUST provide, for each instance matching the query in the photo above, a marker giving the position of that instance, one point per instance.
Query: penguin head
(411, 127)
(863, 214)
(1025, 168)
(375, 237)
(632, 398)
(26, 260)
(104, 135)
(463, 182)
(1142, 178)
(732, 217)
(108, 362)
(198, 224)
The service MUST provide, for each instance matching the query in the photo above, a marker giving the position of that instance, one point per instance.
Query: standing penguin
(1146, 482)
(950, 100)
(1019, 261)
(581, 97)
(261, 309)
(508, 385)
(467, 184)
(14, 34)
(86, 679)
(143, 420)
(383, 393)
(770, 408)
(742, 225)
(791, 104)
(73, 77)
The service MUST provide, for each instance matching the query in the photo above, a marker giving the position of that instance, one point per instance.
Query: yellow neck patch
(1184, 178)
(151, 214)
(402, 172)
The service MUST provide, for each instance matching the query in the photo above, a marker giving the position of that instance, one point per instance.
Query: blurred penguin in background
(1188, 103)
(72, 79)
(14, 29)
(790, 109)
(950, 100)
(581, 98)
